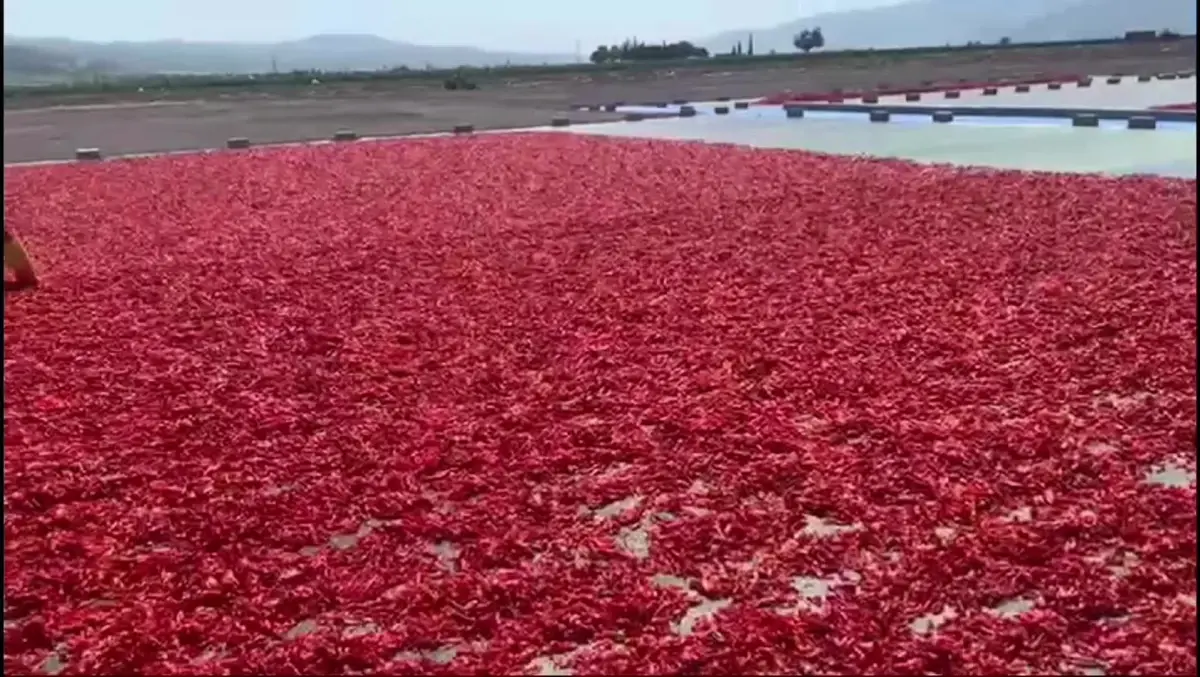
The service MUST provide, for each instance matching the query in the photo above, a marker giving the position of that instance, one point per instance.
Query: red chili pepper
(469, 405)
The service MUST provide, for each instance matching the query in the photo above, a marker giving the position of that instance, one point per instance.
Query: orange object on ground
(17, 262)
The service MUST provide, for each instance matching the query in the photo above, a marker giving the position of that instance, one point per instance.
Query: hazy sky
(526, 25)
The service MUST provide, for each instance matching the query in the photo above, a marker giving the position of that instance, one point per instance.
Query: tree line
(636, 50)
(805, 41)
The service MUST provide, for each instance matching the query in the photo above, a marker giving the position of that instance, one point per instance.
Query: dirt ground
(164, 121)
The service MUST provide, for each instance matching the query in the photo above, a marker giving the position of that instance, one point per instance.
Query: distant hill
(319, 52)
(1085, 19)
(913, 23)
(36, 61)
(26, 64)
(918, 23)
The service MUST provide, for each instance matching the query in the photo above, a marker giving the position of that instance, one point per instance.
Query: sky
(517, 25)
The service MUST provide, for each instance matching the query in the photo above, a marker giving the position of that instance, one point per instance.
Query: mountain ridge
(329, 52)
(954, 22)
(1082, 19)
(914, 23)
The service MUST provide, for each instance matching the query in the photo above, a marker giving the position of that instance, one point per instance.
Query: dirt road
(157, 121)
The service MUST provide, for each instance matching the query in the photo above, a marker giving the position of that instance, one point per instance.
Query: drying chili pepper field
(542, 403)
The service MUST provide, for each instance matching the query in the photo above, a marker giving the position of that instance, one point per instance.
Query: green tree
(808, 40)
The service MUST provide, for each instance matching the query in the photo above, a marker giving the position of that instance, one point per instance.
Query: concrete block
(634, 117)
(1054, 86)
(610, 107)
(687, 111)
(1144, 78)
(880, 116)
(793, 111)
(560, 122)
(912, 96)
(1167, 76)
(870, 98)
(721, 110)
(1083, 82)
(1085, 120)
(1021, 89)
(990, 91)
(237, 143)
(1114, 80)
(741, 105)
(464, 129)
(345, 135)
(88, 154)
(953, 94)
(1143, 122)
(943, 116)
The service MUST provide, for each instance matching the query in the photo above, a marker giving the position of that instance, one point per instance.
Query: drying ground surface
(433, 406)
(153, 121)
